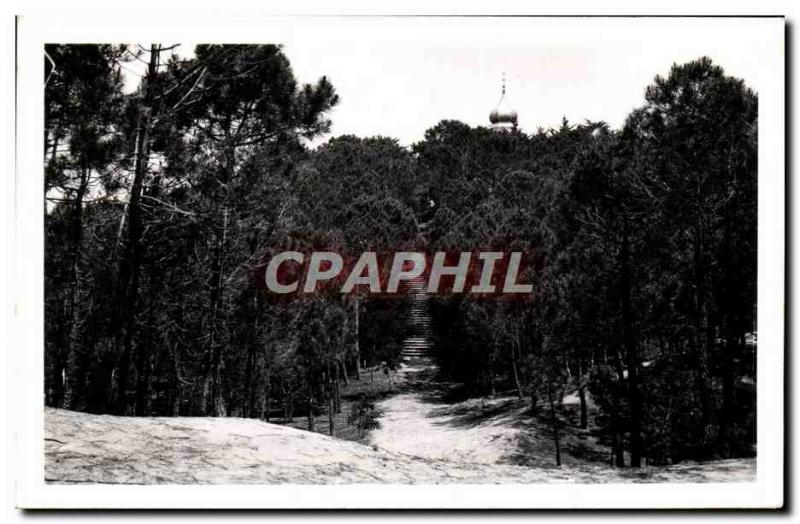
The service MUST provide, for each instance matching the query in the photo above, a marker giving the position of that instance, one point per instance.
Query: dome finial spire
(503, 117)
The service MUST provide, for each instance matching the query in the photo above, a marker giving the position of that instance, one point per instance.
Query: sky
(398, 77)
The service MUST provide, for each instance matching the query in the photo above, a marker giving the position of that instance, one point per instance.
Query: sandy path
(414, 424)
(417, 423)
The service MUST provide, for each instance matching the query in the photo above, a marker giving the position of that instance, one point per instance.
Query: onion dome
(503, 116)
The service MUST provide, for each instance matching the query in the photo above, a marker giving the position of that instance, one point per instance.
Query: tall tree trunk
(332, 408)
(310, 419)
(175, 383)
(343, 365)
(267, 394)
(731, 336)
(247, 404)
(631, 357)
(144, 365)
(584, 422)
(74, 383)
(250, 403)
(582, 384)
(55, 394)
(331, 422)
(213, 375)
(130, 266)
(618, 449)
(130, 269)
(553, 421)
(517, 382)
(515, 350)
(700, 339)
(337, 396)
(358, 347)
(492, 381)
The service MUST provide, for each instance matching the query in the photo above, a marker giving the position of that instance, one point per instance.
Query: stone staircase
(417, 345)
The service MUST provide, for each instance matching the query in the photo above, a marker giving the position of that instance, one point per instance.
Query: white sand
(83, 448)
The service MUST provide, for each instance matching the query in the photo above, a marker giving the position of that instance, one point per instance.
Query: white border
(27, 367)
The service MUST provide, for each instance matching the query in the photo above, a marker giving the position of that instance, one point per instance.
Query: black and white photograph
(539, 254)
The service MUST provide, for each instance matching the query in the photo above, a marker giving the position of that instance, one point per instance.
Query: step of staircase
(418, 344)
